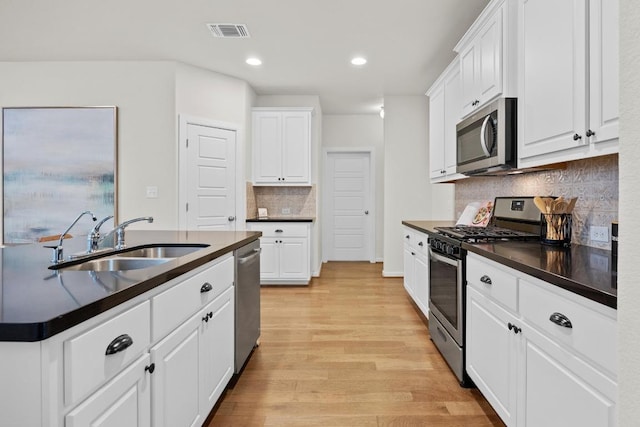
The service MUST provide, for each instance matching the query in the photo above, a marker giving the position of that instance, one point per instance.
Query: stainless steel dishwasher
(247, 317)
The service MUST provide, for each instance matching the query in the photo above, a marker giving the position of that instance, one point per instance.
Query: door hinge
(187, 142)
(187, 207)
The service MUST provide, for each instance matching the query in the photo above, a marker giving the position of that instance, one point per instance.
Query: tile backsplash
(301, 201)
(593, 181)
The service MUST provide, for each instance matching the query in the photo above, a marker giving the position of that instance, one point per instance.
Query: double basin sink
(132, 259)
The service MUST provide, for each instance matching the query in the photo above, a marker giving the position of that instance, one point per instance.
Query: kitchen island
(151, 346)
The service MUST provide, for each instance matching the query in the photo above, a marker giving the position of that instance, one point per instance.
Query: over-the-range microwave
(487, 140)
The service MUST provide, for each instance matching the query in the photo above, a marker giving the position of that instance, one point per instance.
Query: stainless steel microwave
(487, 140)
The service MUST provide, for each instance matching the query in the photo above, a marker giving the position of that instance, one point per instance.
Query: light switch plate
(599, 234)
(286, 211)
(152, 192)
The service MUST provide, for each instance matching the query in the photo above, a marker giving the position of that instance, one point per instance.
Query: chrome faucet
(93, 238)
(57, 250)
(119, 230)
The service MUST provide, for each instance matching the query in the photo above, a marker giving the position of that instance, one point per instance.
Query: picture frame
(57, 162)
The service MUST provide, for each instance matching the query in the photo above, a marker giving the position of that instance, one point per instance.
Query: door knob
(366, 212)
(232, 218)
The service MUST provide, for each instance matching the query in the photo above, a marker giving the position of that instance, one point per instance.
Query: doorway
(349, 208)
(208, 193)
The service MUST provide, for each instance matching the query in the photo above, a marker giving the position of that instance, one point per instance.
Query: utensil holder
(555, 229)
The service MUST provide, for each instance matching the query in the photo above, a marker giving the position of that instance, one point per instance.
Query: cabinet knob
(231, 218)
(486, 279)
(406, 237)
(577, 137)
(366, 212)
(206, 287)
(561, 320)
(278, 230)
(205, 318)
(119, 344)
(514, 328)
(420, 244)
(590, 132)
(150, 368)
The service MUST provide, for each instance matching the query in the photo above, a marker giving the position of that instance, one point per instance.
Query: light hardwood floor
(348, 350)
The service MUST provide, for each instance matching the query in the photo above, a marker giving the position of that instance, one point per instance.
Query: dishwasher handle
(246, 259)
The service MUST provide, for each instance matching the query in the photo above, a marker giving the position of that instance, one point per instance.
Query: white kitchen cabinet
(282, 146)
(568, 80)
(124, 401)
(285, 257)
(487, 52)
(444, 114)
(532, 366)
(492, 353)
(416, 267)
(75, 383)
(193, 365)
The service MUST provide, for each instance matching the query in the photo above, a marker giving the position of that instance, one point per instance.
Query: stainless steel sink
(162, 251)
(117, 264)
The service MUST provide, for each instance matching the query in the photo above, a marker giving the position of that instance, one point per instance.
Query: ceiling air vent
(232, 31)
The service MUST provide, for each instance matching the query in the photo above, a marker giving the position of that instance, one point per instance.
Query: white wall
(628, 266)
(407, 192)
(145, 97)
(203, 94)
(149, 96)
(357, 131)
(316, 172)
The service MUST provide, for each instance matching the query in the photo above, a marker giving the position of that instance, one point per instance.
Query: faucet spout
(57, 250)
(94, 235)
(120, 244)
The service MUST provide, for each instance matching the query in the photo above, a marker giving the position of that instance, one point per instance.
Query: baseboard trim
(392, 273)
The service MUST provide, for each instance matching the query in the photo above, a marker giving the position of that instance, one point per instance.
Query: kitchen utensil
(572, 204)
(540, 204)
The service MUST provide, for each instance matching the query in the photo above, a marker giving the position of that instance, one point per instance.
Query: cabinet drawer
(418, 242)
(86, 364)
(493, 280)
(176, 304)
(593, 333)
(280, 229)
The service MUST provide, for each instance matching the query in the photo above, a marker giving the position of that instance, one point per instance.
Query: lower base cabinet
(416, 268)
(535, 370)
(193, 365)
(124, 401)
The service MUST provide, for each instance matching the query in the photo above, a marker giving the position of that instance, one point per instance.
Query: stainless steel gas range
(514, 218)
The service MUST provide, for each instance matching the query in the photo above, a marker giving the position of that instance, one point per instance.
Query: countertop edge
(40, 331)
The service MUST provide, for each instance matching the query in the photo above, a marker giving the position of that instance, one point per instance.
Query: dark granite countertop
(37, 303)
(583, 270)
(282, 219)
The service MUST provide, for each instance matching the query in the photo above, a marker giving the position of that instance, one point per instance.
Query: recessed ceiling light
(358, 60)
(254, 61)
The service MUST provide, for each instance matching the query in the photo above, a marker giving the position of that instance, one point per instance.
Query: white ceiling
(305, 45)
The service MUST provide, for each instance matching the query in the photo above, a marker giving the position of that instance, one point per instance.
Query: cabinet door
(269, 259)
(267, 147)
(468, 76)
(216, 350)
(294, 258)
(489, 59)
(421, 283)
(437, 132)
(562, 390)
(492, 353)
(452, 115)
(124, 401)
(603, 69)
(296, 147)
(175, 381)
(552, 76)
(409, 272)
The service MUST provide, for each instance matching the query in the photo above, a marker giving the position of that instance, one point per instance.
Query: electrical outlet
(599, 234)
(286, 211)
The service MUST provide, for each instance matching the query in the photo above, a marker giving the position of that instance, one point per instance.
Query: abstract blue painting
(57, 162)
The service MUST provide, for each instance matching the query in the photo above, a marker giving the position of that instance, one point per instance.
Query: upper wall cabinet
(282, 146)
(444, 114)
(568, 80)
(487, 56)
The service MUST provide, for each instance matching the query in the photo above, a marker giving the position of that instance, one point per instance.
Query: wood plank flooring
(348, 350)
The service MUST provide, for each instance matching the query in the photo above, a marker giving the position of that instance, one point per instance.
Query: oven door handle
(483, 140)
(444, 259)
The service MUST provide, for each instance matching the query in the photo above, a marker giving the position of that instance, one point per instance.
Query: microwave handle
(483, 142)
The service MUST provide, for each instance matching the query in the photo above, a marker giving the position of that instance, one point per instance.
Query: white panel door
(211, 189)
(349, 207)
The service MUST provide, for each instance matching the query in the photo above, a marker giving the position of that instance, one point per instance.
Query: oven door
(445, 293)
